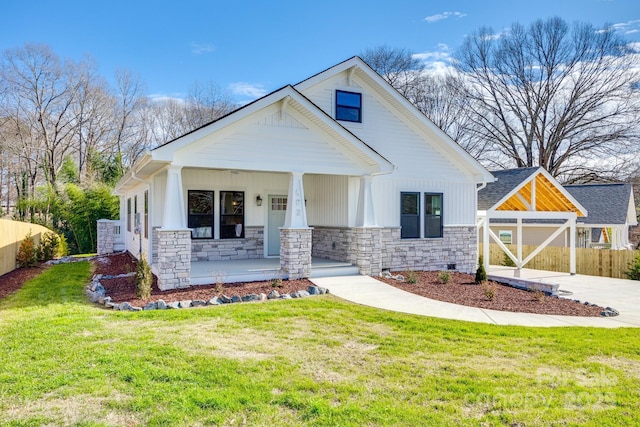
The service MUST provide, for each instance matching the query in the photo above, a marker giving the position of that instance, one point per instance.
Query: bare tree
(129, 135)
(564, 98)
(41, 93)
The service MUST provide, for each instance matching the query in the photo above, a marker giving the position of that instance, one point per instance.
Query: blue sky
(253, 47)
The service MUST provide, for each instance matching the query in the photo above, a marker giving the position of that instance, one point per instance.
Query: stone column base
(174, 258)
(368, 244)
(295, 252)
(106, 229)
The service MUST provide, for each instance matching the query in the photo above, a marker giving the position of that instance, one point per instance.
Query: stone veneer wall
(336, 243)
(457, 246)
(368, 245)
(295, 252)
(106, 230)
(250, 247)
(174, 258)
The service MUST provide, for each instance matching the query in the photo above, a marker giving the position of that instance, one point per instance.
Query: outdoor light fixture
(259, 200)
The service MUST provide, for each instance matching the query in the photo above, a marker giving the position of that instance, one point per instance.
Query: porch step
(350, 270)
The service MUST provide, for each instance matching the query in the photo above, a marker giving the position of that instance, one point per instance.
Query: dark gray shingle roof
(605, 203)
(507, 180)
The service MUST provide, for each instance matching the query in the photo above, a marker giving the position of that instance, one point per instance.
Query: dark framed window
(348, 106)
(129, 215)
(231, 214)
(146, 214)
(410, 215)
(200, 208)
(432, 215)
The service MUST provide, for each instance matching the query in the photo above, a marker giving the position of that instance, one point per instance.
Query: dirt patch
(461, 289)
(124, 288)
(13, 280)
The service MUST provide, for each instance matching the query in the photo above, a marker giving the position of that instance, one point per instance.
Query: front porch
(247, 270)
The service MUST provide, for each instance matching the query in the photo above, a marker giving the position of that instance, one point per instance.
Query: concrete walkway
(623, 295)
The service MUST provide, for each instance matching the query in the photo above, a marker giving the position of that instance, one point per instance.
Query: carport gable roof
(516, 190)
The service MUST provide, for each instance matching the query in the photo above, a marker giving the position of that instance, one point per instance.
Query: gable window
(348, 106)
(410, 215)
(200, 208)
(231, 214)
(432, 215)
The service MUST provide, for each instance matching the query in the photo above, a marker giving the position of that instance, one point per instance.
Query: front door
(277, 213)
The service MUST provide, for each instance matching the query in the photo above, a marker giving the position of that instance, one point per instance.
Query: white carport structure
(527, 194)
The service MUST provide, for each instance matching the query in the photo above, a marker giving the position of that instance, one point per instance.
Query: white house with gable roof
(339, 168)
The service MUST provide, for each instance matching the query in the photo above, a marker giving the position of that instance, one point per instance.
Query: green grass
(317, 361)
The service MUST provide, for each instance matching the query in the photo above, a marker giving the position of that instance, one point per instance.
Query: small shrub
(49, 244)
(507, 261)
(63, 246)
(490, 290)
(27, 253)
(144, 279)
(538, 295)
(634, 269)
(276, 279)
(411, 277)
(218, 277)
(481, 274)
(444, 277)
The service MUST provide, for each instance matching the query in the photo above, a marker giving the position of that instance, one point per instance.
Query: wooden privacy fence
(592, 262)
(12, 233)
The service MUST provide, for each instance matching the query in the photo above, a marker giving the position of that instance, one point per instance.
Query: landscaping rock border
(96, 293)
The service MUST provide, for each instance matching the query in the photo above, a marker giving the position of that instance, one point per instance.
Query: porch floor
(248, 270)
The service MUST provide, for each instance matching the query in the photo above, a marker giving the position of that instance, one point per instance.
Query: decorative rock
(285, 296)
(224, 299)
(151, 306)
(398, 277)
(125, 306)
(198, 303)
(185, 304)
(273, 294)
(313, 290)
(214, 301)
(250, 297)
(299, 294)
(173, 305)
(109, 304)
(236, 298)
(161, 304)
(386, 274)
(609, 312)
(104, 300)
(263, 297)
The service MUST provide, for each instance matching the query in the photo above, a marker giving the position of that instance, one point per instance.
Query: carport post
(572, 245)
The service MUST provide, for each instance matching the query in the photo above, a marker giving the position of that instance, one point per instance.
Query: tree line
(67, 136)
(564, 97)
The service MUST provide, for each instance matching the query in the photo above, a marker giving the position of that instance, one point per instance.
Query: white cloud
(163, 97)
(200, 48)
(444, 15)
(438, 61)
(249, 90)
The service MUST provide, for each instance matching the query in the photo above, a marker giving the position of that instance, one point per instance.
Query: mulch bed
(124, 288)
(461, 289)
(13, 280)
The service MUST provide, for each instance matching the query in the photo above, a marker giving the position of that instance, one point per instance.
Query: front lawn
(314, 361)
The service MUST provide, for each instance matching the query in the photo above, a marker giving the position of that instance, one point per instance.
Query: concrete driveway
(623, 295)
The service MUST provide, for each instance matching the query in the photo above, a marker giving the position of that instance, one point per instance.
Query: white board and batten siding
(420, 165)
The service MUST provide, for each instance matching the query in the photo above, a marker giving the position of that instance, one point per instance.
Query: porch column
(367, 234)
(295, 235)
(572, 245)
(486, 254)
(174, 238)
(519, 246)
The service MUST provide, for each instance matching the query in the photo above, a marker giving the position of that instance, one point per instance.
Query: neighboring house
(339, 166)
(527, 206)
(612, 211)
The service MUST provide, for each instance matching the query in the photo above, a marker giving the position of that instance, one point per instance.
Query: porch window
(200, 214)
(432, 215)
(348, 106)
(410, 215)
(129, 215)
(231, 214)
